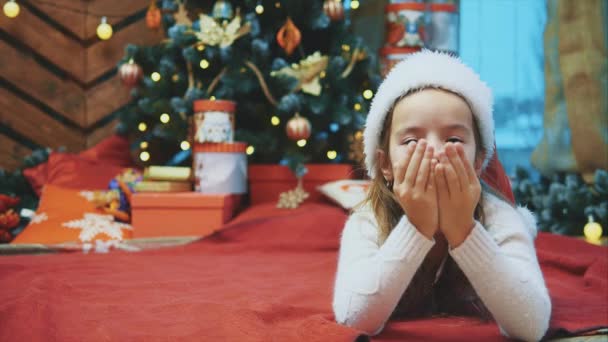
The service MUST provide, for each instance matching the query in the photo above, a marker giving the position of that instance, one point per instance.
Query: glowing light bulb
(331, 155)
(164, 118)
(368, 94)
(212, 98)
(143, 145)
(200, 47)
(155, 76)
(354, 4)
(250, 149)
(259, 9)
(593, 231)
(11, 9)
(204, 64)
(357, 107)
(275, 121)
(104, 30)
(301, 142)
(277, 4)
(144, 156)
(142, 127)
(184, 145)
(345, 47)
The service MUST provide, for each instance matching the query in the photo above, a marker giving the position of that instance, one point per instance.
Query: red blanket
(267, 277)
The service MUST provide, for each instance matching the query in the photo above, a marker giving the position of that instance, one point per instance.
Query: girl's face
(437, 116)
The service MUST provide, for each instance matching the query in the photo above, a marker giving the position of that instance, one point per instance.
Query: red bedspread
(267, 277)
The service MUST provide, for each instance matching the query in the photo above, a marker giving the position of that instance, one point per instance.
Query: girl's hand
(458, 191)
(414, 186)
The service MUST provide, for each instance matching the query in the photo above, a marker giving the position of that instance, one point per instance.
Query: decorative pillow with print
(69, 216)
(346, 192)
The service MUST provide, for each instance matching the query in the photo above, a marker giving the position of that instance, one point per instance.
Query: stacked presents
(413, 25)
(165, 204)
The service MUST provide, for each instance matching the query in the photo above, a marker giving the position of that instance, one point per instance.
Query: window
(503, 41)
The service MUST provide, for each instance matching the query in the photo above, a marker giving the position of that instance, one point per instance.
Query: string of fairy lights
(104, 31)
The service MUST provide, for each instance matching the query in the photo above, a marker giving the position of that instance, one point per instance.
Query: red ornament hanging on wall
(289, 37)
(298, 128)
(153, 16)
(130, 73)
(334, 9)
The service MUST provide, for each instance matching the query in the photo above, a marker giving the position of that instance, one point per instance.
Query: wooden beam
(12, 153)
(36, 125)
(105, 99)
(64, 52)
(117, 11)
(101, 133)
(71, 20)
(104, 55)
(63, 96)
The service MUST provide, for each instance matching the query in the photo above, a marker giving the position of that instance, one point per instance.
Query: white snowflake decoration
(39, 217)
(95, 224)
(87, 194)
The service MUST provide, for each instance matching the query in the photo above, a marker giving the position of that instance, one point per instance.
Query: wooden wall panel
(62, 95)
(54, 84)
(45, 40)
(12, 153)
(29, 121)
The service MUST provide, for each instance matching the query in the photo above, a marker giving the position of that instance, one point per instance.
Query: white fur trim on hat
(429, 69)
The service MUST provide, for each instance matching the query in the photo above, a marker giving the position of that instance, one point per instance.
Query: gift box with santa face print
(220, 168)
(213, 121)
(405, 24)
(443, 26)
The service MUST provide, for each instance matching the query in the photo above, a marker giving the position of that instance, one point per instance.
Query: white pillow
(346, 192)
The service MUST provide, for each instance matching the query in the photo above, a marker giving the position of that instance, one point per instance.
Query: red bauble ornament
(334, 9)
(130, 73)
(153, 16)
(298, 128)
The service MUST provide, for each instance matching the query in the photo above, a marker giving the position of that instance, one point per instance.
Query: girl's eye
(408, 141)
(455, 140)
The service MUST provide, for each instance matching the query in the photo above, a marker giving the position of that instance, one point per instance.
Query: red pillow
(37, 176)
(113, 150)
(72, 171)
(92, 168)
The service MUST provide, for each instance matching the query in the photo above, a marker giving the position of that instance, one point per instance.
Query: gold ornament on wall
(307, 72)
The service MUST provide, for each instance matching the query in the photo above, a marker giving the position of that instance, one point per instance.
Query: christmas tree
(278, 60)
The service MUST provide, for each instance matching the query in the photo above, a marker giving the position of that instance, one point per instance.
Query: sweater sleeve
(370, 278)
(501, 265)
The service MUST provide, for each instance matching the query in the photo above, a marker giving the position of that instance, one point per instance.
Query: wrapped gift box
(220, 168)
(267, 181)
(181, 213)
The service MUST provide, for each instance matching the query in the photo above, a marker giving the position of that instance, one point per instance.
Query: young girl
(427, 241)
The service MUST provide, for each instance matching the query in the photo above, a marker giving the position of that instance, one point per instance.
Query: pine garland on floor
(563, 203)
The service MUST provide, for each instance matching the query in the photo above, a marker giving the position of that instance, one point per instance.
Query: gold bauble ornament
(593, 231)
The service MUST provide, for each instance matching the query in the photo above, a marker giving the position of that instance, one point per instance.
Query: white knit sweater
(499, 260)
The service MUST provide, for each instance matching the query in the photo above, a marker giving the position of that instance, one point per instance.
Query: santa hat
(428, 69)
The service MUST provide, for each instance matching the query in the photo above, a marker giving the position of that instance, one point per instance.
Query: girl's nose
(438, 146)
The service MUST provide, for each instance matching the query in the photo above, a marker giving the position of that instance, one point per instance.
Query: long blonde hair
(383, 202)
